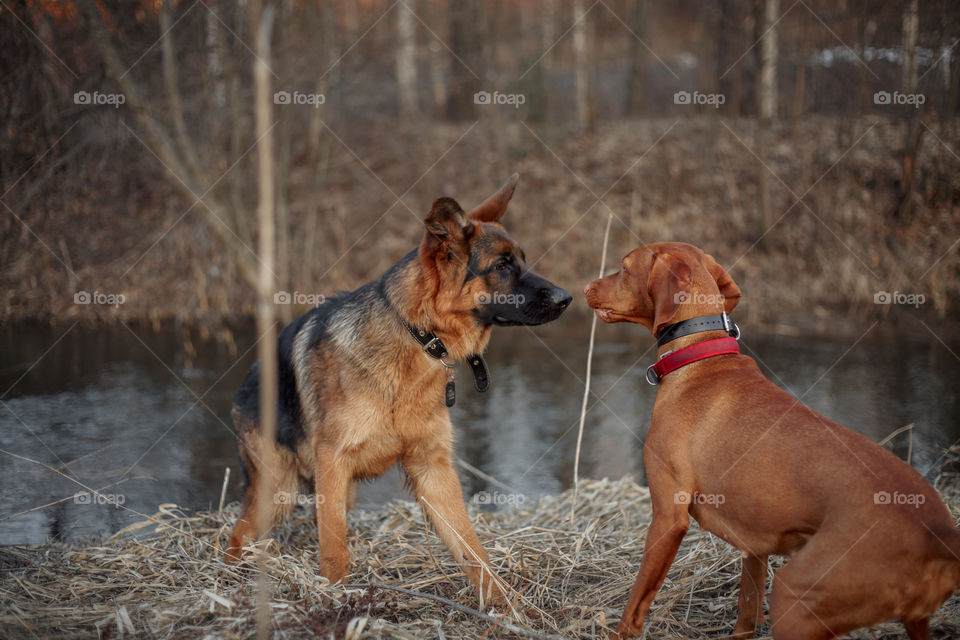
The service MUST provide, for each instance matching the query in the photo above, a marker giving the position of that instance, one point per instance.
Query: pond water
(145, 416)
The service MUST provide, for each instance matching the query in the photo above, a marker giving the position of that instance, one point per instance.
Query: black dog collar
(676, 330)
(433, 346)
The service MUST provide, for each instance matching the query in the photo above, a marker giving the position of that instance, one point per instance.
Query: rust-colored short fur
(768, 475)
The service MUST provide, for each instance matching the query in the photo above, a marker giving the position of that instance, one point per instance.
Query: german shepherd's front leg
(438, 490)
(332, 485)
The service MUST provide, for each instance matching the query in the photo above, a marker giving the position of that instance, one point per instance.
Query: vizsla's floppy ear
(669, 287)
(493, 208)
(729, 288)
(446, 220)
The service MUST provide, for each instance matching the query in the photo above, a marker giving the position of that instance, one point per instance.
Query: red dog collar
(673, 360)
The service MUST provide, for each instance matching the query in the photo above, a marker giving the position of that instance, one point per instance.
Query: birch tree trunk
(581, 65)
(769, 50)
(767, 101)
(406, 63)
(637, 63)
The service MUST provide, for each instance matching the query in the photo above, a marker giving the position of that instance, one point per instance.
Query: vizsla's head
(662, 283)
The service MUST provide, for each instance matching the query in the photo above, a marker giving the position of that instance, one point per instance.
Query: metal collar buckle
(651, 375)
(730, 326)
(652, 378)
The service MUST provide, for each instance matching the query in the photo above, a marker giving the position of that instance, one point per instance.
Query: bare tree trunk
(329, 53)
(913, 131)
(707, 49)
(465, 71)
(769, 50)
(767, 101)
(636, 86)
(581, 65)
(406, 63)
(911, 26)
(438, 72)
(216, 51)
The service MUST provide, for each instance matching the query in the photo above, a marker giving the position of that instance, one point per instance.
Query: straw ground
(164, 578)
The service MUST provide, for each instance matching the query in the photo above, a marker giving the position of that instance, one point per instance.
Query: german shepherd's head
(480, 269)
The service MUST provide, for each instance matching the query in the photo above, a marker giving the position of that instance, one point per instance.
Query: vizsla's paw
(625, 630)
(234, 552)
(334, 569)
(233, 555)
(742, 633)
(496, 599)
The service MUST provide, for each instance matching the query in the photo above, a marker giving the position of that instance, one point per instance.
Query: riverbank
(828, 250)
(571, 577)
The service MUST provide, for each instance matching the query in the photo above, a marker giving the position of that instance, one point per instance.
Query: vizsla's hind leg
(278, 469)
(918, 629)
(753, 584)
(826, 590)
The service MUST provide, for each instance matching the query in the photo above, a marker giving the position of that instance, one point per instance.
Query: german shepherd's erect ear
(446, 221)
(493, 208)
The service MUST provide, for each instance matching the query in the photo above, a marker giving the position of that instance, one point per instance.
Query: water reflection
(126, 411)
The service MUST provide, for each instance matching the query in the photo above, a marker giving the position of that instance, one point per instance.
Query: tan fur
(371, 397)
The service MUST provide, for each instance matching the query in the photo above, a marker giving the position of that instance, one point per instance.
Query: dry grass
(164, 578)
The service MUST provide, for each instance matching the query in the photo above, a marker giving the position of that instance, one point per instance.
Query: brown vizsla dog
(869, 539)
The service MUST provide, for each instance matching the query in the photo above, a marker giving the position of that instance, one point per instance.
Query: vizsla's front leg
(753, 584)
(332, 482)
(667, 528)
(438, 490)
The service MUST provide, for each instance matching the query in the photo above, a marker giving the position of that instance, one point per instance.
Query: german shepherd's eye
(502, 264)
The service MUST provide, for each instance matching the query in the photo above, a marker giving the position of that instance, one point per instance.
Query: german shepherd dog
(359, 390)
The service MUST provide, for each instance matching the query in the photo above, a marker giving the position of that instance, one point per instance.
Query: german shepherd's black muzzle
(531, 301)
